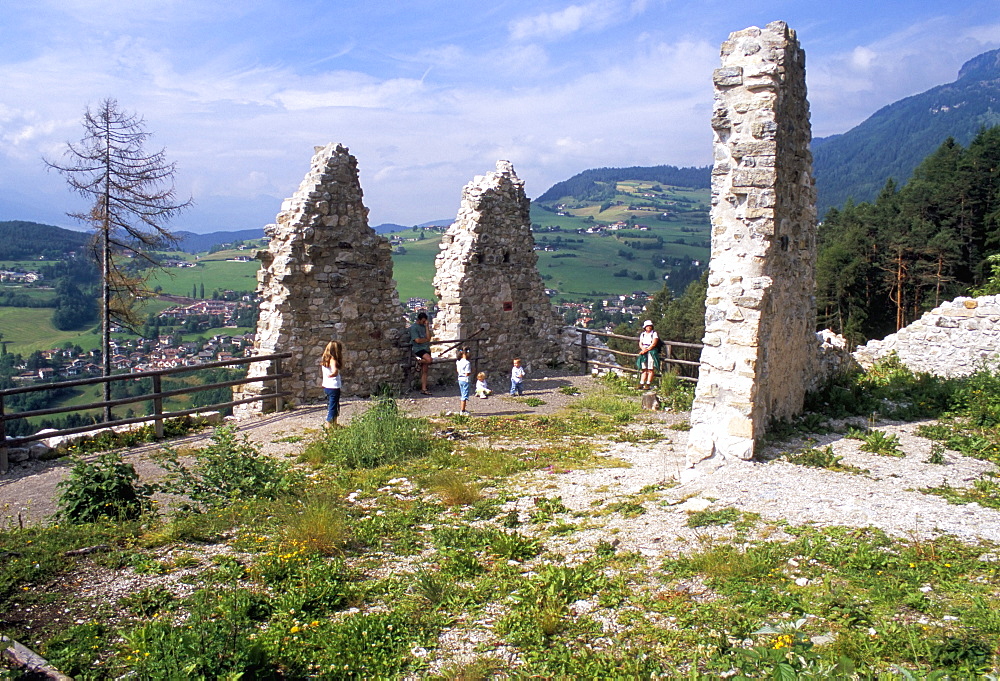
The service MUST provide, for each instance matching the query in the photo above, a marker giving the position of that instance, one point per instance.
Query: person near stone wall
(482, 387)
(517, 378)
(331, 364)
(420, 341)
(648, 361)
(464, 368)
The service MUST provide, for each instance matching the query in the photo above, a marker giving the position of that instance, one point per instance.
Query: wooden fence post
(278, 402)
(3, 442)
(583, 351)
(157, 408)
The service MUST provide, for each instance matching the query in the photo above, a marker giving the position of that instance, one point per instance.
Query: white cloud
(590, 17)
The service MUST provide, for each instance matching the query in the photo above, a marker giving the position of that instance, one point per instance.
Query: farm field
(586, 264)
(214, 275)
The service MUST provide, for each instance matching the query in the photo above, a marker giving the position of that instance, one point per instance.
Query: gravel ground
(28, 491)
(884, 497)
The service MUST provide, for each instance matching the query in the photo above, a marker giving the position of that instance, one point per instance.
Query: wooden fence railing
(440, 347)
(666, 353)
(157, 396)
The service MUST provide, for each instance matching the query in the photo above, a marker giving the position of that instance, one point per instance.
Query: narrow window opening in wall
(784, 243)
(508, 306)
(506, 256)
(477, 258)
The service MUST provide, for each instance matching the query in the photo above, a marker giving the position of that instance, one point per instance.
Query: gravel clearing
(885, 497)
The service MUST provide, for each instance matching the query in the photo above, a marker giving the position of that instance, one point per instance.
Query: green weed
(230, 468)
(104, 489)
(822, 458)
(708, 517)
(883, 444)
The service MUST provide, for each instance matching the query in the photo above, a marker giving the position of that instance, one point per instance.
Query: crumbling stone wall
(760, 345)
(327, 275)
(487, 278)
(954, 339)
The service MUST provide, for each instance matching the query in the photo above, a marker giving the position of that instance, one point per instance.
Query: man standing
(420, 341)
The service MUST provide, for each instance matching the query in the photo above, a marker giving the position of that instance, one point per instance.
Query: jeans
(463, 389)
(332, 404)
(515, 388)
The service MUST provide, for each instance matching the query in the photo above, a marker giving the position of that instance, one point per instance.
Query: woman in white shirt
(648, 360)
(331, 365)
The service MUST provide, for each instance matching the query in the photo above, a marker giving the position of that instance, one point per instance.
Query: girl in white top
(331, 365)
(464, 367)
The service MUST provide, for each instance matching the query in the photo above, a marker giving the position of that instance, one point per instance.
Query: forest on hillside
(21, 240)
(881, 265)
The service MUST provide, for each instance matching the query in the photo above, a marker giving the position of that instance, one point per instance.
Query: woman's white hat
(647, 323)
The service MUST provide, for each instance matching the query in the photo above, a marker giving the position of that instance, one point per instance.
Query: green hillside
(20, 240)
(637, 233)
(894, 140)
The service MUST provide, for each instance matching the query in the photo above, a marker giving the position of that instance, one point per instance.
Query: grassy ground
(401, 547)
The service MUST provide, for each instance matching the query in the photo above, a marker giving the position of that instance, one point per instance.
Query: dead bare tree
(133, 199)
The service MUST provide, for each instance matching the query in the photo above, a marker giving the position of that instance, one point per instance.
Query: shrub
(105, 489)
(378, 437)
(318, 526)
(676, 394)
(230, 468)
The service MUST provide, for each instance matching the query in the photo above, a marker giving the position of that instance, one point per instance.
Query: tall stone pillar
(327, 275)
(760, 314)
(487, 279)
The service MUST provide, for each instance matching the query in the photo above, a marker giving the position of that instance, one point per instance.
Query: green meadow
(213, 274)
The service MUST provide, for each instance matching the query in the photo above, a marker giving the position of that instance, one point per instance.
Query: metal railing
(157, 395)
(666, 355)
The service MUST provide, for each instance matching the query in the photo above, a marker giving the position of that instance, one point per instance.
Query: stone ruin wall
(954, 339)
(487, 278)
(326, 275)
(760, 346)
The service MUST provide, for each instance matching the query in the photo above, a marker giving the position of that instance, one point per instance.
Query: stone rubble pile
(954, 339)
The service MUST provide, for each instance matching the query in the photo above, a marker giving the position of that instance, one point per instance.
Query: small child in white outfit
(482, 389)
(517, 378)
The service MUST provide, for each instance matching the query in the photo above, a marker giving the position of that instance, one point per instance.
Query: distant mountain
(896, 138)
(593, 185)
(199, 243)
(20, 240)
(387, 227)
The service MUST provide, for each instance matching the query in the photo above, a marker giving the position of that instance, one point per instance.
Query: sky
(426, 94)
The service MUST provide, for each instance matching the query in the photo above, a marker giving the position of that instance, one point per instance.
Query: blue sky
(429, 93)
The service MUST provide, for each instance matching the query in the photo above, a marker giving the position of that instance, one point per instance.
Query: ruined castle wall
(327, 275)
(487, 279)
(954, 339)
(760, 345)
